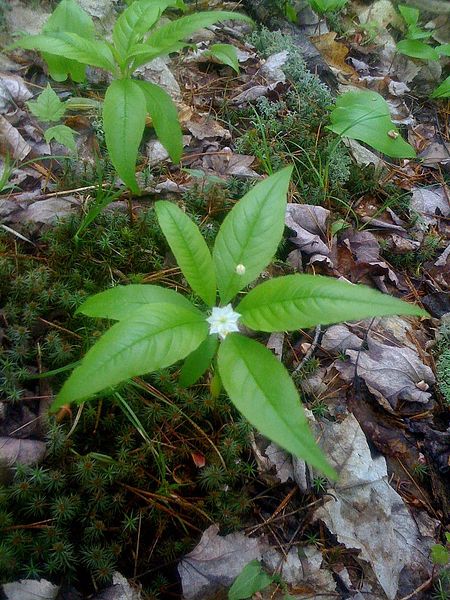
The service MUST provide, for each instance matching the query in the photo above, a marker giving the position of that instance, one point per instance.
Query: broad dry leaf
(216, 562)
(392, 374)
(366, 513)
(333, 52)
(25, 452)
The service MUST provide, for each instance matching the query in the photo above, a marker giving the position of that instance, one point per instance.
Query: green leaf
(190, 249)
(124, 113)
(324, 6)
(47, 107)
(250, 234)
(302, 301)
(443, 90)
(409, 14)
(164, 116)
(135, 21)
(439, 554)
(181, 28)
(443, 50)
(364, 116)
(226, 54)
(198, 362)
(417, 49)
(262, 390)
(68, 16)
(62, 134)
(252, 579)
(154, 337)
(73, 46)
(120, 302)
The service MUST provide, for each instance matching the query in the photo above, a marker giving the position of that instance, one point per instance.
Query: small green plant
(413, 45)
(48, 108)
(325, 6)
(250, 580)
(365, 116)
(68, 43)
(440, 555)
(158, 327)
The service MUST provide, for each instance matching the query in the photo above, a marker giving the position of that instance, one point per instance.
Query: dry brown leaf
(333, 52)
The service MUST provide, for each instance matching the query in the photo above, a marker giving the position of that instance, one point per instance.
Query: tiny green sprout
(157, 327)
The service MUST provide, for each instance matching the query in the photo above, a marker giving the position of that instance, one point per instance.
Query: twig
(310, 351)
(422, 587)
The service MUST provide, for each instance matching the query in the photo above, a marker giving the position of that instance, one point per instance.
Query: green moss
(117, 474)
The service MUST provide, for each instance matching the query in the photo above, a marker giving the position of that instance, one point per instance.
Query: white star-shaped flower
(223, 320)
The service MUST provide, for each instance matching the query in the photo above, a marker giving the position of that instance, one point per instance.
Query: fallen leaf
(11, 142)
(12, 91)
(302, 567)
(430, 202)
(24, 452)
(206, 127)
(216, 561)
(392, 374)
(119, 590)
(366, 513)
(30, 589)
(309, 223)
(333, 52)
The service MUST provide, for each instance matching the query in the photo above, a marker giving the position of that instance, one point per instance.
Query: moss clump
(443, 362)
(132, 466)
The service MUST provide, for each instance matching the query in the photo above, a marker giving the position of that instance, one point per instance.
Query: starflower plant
(157, 327)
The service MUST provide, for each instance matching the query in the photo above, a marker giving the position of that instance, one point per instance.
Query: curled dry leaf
(392, 374)
(309, 223)
(12, 91)
(366, 513)
(11, 142)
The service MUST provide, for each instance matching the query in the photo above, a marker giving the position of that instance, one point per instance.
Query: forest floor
(157, 491)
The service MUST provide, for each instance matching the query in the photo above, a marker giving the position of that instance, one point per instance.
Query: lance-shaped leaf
(364, 116)
(124, 112)
(121, 302)
(181, 28)
(164, 116)
(250, 234)
(300, 301)
(68, 16)
(170, 37)
(190, 249)
(136, 20)
(443, 90)
(262, 390)
(154, 337)
(417, 49)
(198, 362)
(73, 46)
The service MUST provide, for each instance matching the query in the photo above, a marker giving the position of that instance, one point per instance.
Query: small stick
(311, 349)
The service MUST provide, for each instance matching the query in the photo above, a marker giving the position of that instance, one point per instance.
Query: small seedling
(157, 327)
(49, 108)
